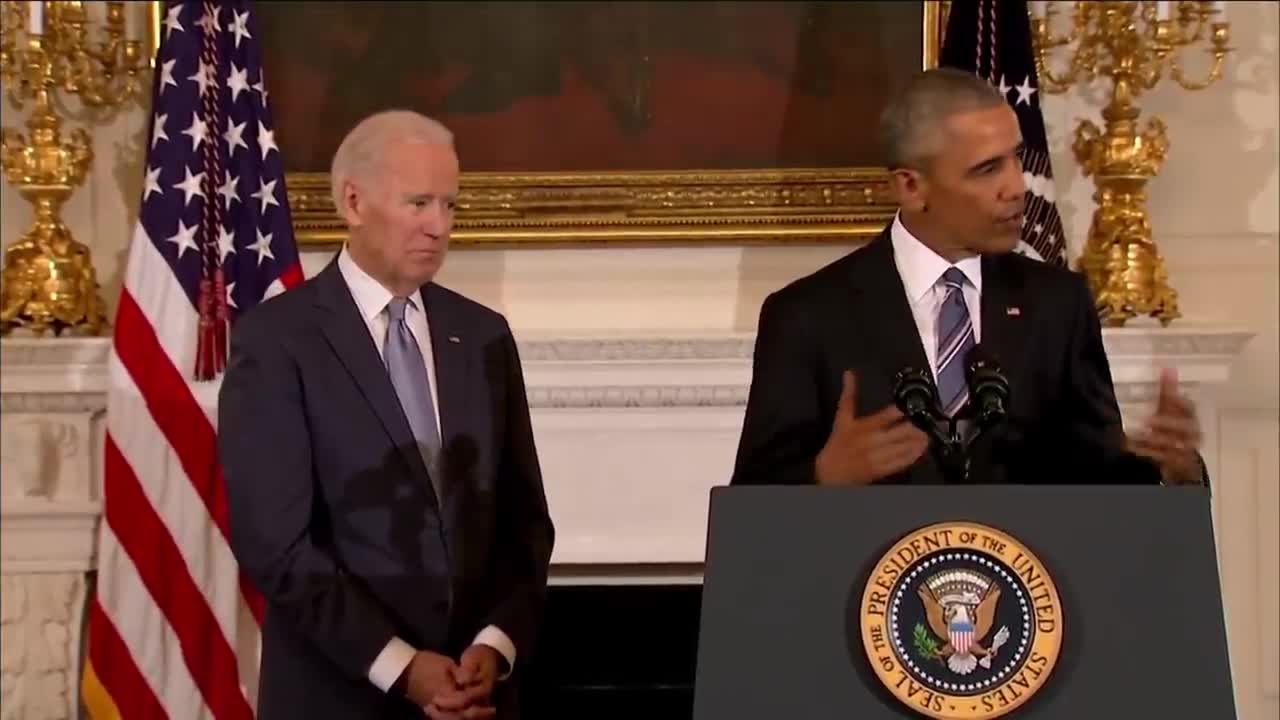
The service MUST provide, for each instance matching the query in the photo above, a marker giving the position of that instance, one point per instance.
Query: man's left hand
(1172, 436)
(478, 668)
(475, 674)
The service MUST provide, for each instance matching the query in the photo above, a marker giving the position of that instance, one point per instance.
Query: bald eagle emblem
(960, 606)
(960, 621)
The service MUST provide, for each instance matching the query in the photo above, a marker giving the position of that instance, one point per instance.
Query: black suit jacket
(333, 516)
(1037, 320)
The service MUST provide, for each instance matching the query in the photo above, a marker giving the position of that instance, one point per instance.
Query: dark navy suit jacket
(1039, 322)
(332, 513)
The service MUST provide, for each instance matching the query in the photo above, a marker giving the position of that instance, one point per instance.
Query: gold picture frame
(643, 207)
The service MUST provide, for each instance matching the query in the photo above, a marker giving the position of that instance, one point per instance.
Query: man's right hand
(429, 682)
(862, 450)
(429, 676)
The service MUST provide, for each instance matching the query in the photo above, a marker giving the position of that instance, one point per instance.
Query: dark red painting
(533, 87)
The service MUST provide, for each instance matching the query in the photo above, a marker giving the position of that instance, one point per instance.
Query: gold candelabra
(48, 280)
(1132, 44)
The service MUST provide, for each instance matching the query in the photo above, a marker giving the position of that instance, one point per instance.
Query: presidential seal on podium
(960, 620)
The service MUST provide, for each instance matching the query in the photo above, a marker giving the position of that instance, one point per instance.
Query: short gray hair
(911, 123)
(366, 145)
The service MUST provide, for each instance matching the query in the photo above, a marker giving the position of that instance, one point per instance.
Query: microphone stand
(958, 448)
(953, 454)
(948, 449)
(917, 397)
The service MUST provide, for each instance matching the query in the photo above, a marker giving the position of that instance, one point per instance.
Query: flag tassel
(209, 361)
(221, 320)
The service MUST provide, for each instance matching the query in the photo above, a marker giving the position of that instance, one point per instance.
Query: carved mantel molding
(714, 370)
(54, 396)
(41, 367)
(656, 370)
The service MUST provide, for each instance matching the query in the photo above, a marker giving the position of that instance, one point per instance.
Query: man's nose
(435, 220)
(1014, 185)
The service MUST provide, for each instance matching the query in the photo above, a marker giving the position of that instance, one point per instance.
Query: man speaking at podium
(940, 281)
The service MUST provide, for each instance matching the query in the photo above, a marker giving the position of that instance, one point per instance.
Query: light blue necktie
(955, 339)
(408, 373)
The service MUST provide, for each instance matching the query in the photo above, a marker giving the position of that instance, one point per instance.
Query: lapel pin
(455, 339)
(1013, 311)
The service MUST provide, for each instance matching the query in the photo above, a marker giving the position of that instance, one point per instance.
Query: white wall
(1214, 210)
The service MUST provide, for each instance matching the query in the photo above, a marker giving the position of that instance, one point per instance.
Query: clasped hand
(446, 690)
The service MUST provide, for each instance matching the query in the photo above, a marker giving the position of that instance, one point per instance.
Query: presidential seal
(960, 620)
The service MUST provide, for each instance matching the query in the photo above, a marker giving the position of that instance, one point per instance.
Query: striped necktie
(408, 371)
(955, 339)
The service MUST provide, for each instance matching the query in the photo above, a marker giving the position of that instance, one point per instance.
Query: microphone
(988, 388)
(917, 397)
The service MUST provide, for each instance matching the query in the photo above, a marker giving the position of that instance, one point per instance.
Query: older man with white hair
(384, 487)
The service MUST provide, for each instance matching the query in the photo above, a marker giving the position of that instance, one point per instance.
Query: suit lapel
(883, 312)
(882, 315)
(347, 333)
(452, 357)
(1007, 313)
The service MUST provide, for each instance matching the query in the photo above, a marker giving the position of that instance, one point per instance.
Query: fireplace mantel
(632, 431)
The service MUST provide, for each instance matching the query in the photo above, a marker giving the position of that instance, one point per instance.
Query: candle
(1162, 10)
(35, 17)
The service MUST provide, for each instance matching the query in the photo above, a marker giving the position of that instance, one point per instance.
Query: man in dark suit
(383, 484)
(940, 280)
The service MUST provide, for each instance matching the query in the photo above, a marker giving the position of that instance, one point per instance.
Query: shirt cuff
(498, 640)
(390, 663)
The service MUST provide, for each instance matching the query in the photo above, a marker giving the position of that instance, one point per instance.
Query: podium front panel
(1142, 630)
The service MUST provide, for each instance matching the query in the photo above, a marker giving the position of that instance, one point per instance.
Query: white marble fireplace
(632, 434)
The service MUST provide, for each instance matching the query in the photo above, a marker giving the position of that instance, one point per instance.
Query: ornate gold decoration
(678, 206)
(49, 281)
(1133, 44)
(742, 206)
(943, 630)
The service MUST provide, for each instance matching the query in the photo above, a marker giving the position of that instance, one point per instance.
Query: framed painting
(605, 122)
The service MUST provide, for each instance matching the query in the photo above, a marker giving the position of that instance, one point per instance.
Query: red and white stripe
(174, 628)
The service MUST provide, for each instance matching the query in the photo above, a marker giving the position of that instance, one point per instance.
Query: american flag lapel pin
(1013, 311)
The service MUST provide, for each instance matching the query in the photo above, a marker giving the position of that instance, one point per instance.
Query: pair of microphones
(916, 395)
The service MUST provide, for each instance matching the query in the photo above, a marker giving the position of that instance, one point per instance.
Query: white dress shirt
(372, 298)
(921, 271)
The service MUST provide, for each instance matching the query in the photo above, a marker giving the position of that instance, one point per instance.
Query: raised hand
(862, 450)
(1172, 435)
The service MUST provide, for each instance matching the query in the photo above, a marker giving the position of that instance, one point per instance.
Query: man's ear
(353, 205)
(909, 188)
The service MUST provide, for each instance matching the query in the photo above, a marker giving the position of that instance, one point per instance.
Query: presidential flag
(992, 39)
(173, 628)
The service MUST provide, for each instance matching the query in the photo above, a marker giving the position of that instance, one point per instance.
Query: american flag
(992, 39)
(173, 627)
